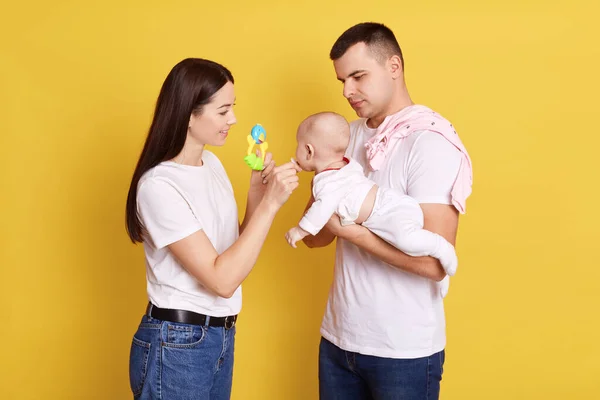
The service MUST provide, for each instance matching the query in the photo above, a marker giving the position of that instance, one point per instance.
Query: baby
(341, 187)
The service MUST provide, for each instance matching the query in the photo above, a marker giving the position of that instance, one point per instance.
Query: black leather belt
(189, 317)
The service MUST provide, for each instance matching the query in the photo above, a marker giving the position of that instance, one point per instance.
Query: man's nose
(348, 90)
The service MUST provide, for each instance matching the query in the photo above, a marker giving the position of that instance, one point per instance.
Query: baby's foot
(447, 256)
(444, 286)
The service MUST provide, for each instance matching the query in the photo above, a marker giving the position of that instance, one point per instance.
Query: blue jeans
(179, 361)
(345, 375)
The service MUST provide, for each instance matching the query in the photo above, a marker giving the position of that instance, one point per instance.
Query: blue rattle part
(257, 136)
(256, 133)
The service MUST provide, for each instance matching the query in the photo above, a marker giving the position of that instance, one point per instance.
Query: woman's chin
(221, 140)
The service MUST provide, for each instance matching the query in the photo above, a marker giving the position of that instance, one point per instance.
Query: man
(384, 326)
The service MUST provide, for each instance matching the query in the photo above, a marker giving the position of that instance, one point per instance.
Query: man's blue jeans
(345, 375)
(175, 361)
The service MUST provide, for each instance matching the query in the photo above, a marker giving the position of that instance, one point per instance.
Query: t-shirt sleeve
(165, 213)
(327, 194)
(317, 215)
(432, 169)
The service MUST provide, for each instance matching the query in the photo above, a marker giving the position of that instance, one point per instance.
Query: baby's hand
(294, 235)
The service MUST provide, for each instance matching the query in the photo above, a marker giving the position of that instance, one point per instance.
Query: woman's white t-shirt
(173, 202)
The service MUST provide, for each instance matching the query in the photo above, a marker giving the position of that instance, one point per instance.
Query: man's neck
(398, 103)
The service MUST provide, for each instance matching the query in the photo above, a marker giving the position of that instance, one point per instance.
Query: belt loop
(230, 322)
(206, 323)
(149, 309)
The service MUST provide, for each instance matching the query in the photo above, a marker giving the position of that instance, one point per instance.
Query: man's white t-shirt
(175, 201)
(376, 309)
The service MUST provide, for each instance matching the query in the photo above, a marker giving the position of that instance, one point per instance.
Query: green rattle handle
(254, 162)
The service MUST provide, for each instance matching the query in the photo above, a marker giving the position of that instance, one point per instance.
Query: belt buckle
(229, 322)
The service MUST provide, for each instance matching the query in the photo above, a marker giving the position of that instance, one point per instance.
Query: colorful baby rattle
(258, 136)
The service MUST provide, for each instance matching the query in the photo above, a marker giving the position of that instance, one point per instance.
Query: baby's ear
(310, 151)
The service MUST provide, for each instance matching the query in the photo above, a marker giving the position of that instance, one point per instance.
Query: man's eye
(357, 77)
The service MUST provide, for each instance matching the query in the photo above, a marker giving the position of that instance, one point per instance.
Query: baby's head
(322, 139)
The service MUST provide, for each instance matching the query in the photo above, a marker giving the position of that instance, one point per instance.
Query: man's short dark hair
(379, 38)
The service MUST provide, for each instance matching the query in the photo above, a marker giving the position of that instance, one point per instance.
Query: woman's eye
(226, 111)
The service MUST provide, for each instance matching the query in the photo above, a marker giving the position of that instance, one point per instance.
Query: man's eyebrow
(358, 71)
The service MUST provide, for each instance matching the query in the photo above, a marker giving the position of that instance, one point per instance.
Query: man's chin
(363, 113)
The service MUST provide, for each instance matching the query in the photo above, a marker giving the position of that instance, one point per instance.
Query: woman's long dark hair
(188, 87)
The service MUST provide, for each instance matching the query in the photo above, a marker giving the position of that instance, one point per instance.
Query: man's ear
(395, 67)
(310, 152)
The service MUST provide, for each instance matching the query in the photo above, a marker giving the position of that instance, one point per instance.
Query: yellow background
(78, 84)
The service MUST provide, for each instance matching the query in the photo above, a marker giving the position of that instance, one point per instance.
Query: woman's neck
(191, 154)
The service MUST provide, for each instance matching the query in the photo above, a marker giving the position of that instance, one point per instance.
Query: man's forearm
(321, 239)
(427, 267)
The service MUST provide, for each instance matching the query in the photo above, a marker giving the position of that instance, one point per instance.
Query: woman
(181, 206)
